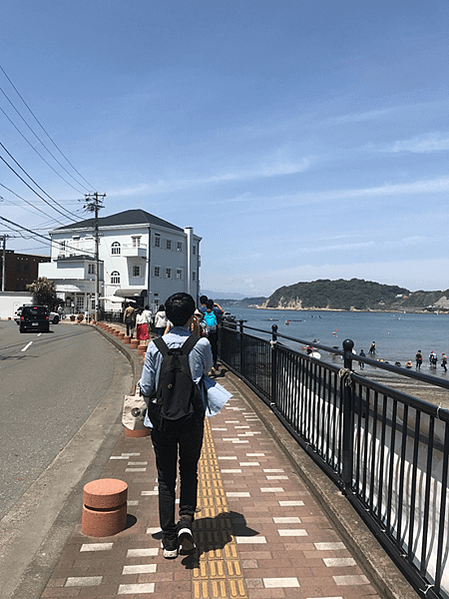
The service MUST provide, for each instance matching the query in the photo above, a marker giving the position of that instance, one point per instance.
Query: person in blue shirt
(177, 537)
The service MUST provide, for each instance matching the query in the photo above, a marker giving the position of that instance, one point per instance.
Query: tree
(44, 293)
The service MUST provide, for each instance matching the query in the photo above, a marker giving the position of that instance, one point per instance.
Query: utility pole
(94, 204)
(4, 263)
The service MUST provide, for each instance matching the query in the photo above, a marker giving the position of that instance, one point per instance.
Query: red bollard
(104, 507)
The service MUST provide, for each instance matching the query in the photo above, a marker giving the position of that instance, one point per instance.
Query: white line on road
(26, 346)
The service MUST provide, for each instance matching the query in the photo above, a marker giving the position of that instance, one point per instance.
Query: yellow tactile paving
(219, 571)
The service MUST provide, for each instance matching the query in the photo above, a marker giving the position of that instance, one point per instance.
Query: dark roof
(128, 217)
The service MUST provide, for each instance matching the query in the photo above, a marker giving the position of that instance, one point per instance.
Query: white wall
(10, 301)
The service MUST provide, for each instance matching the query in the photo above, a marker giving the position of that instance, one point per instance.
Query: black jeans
(166, 449)
(213, 340)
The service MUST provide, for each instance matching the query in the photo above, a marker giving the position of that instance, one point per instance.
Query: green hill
(355, 294)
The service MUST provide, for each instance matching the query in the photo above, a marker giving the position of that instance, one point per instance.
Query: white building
(141, 257)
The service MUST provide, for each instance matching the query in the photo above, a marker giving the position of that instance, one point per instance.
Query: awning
(113, 298)
(131, 293)
(69, 289)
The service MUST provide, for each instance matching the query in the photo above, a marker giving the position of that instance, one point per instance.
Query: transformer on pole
(94, 204)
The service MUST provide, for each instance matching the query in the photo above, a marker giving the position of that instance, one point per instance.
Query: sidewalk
(260, 533)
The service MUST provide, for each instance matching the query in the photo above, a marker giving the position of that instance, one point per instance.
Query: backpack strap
(161, 345)
(189, 344)
(186, 347)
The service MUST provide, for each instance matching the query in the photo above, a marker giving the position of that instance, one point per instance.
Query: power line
(37, 185)
(37, 152)
(46, 239)
(46, 133)
(33, 190)
(26, 201)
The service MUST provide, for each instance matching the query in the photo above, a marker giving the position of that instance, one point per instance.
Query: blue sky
(301, 140)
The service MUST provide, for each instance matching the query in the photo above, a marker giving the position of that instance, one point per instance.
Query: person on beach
(372, 349)
(444, 361)
(418, 359)
(362, 364)
(183, 440)
(433, 359)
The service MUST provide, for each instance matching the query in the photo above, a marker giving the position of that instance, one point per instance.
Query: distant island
(348, 295)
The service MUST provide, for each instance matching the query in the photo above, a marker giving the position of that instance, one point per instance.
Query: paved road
(60, 398)
(50, 384)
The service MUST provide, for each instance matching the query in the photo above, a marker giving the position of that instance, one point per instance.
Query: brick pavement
(259, 531)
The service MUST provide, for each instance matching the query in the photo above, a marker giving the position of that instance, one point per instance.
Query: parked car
(54, 317)
(18, 314)
(34, 318)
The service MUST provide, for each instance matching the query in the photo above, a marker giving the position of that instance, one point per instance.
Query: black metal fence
(387, 450)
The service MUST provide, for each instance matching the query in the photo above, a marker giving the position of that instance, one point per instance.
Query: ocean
(398, 336)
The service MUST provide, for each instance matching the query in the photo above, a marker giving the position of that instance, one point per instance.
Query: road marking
(26, 346)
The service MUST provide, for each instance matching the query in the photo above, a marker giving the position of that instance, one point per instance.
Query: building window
(136, 271)
(193, 276)
(179, 246)
(79, 303)
(168, 273)
(91, 269)
(136, 241)
(157, 240)
(194, 250)
(179, 273)
(115, 278)
(115, 248)
(157, 271)
(168, 244)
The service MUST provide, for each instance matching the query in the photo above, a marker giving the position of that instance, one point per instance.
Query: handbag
(134, 410)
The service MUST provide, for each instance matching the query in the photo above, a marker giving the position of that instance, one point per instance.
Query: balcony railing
(134, 251)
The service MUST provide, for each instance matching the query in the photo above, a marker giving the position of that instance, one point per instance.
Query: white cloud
(265, 169)
(420, 144)
(439, 185)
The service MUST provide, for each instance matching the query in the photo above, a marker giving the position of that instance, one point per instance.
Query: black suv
(34, 318)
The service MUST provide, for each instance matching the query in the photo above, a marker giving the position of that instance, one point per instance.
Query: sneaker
(170, 547)
(185, 535)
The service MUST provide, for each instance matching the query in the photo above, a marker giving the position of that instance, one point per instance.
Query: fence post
(242, 369)
(274, 365)
(348, 432)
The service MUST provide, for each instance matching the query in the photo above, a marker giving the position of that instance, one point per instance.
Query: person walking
(148, 316)
(444, 361)
(160, 321)
(129, 319)
(210, 324)
(142, 327)
(185, 441)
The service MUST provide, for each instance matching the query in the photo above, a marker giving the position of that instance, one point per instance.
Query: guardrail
(386, 450)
